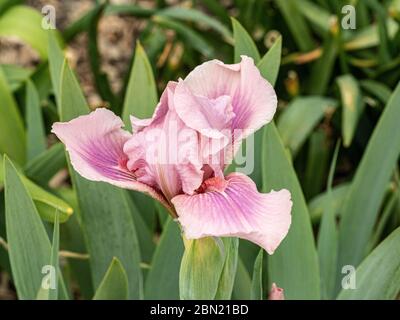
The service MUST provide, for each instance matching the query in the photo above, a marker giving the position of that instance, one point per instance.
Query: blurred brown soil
(116, 39)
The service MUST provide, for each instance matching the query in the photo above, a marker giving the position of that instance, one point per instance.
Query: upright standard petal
(209, 116)
(234, 207)
(253, 98)
(95, 146)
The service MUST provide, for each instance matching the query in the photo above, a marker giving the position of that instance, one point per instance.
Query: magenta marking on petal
(213, 184)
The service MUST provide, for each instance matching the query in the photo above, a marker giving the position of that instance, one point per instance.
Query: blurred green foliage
(333, 84)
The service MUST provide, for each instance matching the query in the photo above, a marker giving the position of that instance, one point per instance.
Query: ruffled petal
(95, 146)
(213, 79)
(211, 117)
(234, 207)
(171, 154)
(253, 98)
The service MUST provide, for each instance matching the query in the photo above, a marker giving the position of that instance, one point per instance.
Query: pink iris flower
(179, 155)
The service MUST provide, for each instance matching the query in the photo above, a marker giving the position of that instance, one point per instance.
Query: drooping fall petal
(95, 146)
(234, 207)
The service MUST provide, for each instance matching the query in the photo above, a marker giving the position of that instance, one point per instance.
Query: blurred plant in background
(333, 84)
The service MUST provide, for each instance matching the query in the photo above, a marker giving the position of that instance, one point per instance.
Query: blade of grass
(11, 124)
(141, 95)
(270, 62)
(294, 265)
(257, 292)
(190, 37)
(242, 285)
(217, 9)
(320, 18)
(56, 62)
(300, 117)
(52, 293)
(322, 69)
(244, 44)
(162, 281)
(46, 203)
(387, 212)
(106, 219)
(328, 238)
(317, 205)
(378, 276)
(368, 187)
(29, 245)
(193, 15)
(144, 233)
(377, 89)
(36, 138)
(296, 23)
(114, 285)
(72, 239)
(15, 75)
(43, 167)
(369, 36)
(317, 162)
(352, 106)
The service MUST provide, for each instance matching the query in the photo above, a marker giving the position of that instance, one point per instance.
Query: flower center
(213, 184)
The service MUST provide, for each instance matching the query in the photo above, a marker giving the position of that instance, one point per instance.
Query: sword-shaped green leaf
(114, 285)
(294, 265)
(368, 187)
